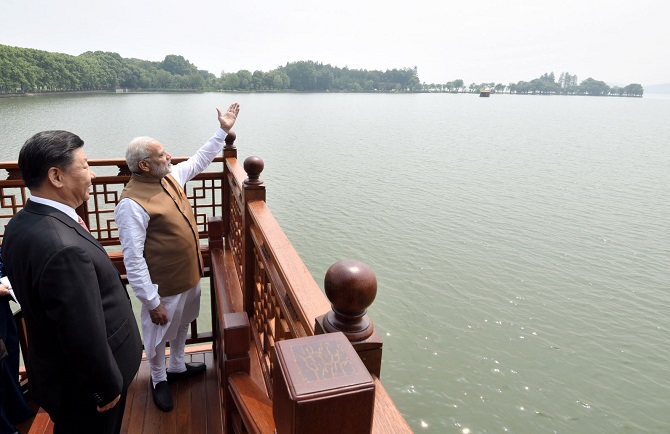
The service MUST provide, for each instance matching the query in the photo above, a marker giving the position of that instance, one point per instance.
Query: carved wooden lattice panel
(274, 317)
(100, 209)
(264, 313)
(206, 199)
(12, 199)
(235, 238)
(204, 193)
(201, 193)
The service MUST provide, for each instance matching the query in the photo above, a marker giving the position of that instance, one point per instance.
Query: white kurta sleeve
(132, 221)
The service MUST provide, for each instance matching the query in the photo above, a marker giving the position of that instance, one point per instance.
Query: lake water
(520, 243)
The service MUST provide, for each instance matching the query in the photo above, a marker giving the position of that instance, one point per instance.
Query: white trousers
(181, 309)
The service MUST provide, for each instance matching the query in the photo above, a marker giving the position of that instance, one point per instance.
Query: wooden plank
(141, 394)
(129, 405)
(213, 393)
(182, 404)
(387, 418)
(221, 283)
(254, 406)
(41, 423)
(233, 287)
(199, 399)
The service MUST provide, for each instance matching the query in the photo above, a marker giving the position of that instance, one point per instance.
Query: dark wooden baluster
(253, 190)
(351, 287)
(229, 151)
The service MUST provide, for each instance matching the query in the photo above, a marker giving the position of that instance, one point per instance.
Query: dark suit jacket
(82, 335)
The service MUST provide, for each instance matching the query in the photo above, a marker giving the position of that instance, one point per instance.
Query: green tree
(177, 65)
(594, 87)
(257, 80)
(634, 89)
(245, 79)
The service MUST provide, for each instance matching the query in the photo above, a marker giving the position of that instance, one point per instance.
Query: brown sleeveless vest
(172, 247)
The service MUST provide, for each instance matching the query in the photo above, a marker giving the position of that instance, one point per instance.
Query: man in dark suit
(84, 345)
(13, 407)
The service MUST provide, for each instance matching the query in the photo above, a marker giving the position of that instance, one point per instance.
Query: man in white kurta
(164, 318)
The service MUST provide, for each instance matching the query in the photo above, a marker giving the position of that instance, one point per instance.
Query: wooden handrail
(277, 292)
(283, 261)
(387, 418)
(255, 408)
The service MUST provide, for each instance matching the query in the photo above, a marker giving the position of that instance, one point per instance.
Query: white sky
(616, 41)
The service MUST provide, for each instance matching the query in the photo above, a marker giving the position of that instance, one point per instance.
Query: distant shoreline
(90, 92)
(28, 94)
(122, 92)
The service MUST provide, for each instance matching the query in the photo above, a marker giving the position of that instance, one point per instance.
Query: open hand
(227, 119)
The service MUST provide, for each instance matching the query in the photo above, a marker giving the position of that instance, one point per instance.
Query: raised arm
(186, 170)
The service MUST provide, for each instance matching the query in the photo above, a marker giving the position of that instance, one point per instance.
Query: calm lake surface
(520, 243)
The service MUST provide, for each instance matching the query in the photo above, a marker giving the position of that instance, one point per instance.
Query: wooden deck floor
(197, 403)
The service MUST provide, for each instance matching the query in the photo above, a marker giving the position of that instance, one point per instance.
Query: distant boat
(485, 93)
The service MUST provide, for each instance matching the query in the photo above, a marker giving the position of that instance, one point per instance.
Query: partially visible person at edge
(84, 345)
(13, 406)
(161, 250)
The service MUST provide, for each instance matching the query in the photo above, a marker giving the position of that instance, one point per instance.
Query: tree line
(546, 84)
(26, 70)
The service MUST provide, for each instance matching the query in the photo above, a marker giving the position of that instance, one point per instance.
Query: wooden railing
(265, 295)
(262, 296)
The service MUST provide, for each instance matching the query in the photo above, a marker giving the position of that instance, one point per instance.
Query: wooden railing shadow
(289, 358)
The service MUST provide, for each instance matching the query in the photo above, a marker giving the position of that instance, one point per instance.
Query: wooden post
(254, 190)
(321, 386)
(351, 287)
(229, 151)
(215, 241)
(236, 341)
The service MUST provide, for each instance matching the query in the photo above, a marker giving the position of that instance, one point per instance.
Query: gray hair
(137, 151)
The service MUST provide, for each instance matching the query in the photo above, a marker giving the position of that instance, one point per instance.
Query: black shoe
(191, 370)
(162, 395)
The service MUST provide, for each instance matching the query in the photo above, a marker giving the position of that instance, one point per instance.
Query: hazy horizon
(481, 41)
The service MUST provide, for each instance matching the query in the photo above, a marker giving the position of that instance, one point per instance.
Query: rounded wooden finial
(351, 287)
(253, 166)
(230, 140)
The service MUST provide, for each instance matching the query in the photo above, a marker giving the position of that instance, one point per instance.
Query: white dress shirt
(59, 206)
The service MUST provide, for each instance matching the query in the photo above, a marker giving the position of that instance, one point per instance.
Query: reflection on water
(520, 243)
